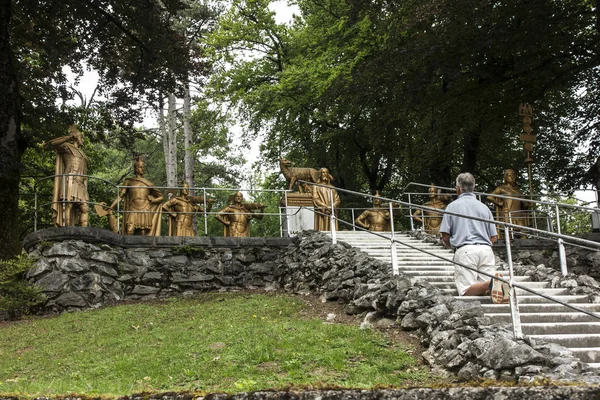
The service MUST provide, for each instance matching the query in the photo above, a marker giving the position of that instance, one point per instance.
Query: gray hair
(466, 182)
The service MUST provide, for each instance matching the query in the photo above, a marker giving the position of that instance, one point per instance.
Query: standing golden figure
(376, 219)
(431, 220)
(70, 195)
(322, 200)
(511, 210)
(141, 205)
(237, 216)
(181, 211)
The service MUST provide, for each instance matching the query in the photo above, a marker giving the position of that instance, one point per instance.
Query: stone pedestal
(298, 213)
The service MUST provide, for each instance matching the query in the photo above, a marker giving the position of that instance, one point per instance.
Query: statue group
(142, 201)
(507, 200)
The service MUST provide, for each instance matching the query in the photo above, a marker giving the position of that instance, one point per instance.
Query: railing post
(410, 213)
(332, 218)
(353, 219)
(557, 220)
(562, 256)
(205, 213)
(287, 217)
(118, 216)
(393, 243)
(35, 215)
(64, 196)
(514, 303)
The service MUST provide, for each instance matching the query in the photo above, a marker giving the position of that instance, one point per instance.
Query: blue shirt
(465, 231)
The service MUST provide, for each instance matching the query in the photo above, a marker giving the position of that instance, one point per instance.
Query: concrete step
(490, 308)
(588, 355)
(451, 290)
(561, 328)
(528, 299)
(542, 287)
(552, 317)
(572, 341)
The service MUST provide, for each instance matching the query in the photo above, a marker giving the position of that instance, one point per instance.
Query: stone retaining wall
(99, 269)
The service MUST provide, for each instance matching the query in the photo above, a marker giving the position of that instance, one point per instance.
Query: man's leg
(478, 289)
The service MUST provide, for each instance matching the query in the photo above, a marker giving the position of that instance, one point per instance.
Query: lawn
(217, 342)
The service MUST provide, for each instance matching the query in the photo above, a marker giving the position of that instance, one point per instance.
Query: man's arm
(494, 239)
(446, 239)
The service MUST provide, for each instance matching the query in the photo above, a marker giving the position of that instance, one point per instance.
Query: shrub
(17, 296)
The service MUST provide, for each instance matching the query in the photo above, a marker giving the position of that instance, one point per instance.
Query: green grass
(211, 343)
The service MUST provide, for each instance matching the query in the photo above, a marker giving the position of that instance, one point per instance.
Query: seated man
(472, 240)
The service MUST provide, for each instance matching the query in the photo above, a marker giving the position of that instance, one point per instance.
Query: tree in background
(385, 92)
(130, 44)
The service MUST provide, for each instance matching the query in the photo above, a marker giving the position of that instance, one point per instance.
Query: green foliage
(574, 221)
(17, 296)
(384, 93)
(216, 342)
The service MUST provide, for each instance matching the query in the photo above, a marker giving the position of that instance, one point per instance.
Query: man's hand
(446, 240)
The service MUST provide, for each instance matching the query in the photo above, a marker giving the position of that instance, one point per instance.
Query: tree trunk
(187, 138)
(171, 139)
(471, 149)
(11, 145)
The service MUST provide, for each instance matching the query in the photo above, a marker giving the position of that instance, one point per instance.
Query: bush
(17, 296)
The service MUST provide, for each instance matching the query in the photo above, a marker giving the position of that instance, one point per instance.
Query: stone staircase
(540, 317)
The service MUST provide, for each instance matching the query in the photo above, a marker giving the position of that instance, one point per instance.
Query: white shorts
(479, 257)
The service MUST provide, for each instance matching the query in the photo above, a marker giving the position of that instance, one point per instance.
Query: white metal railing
(39, 206)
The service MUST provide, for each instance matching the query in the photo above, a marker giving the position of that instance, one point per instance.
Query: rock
(144, 290)
(499, 353)
(469, 372)
(70, 299)
(53, 282)
(568, 283)
(409, 322)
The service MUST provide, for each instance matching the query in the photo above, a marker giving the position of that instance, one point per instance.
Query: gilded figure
(237, 216)
(70, 194)
(376, 219)
(511, 210)
(181, 211)
(431, 220)
(141, 204)
(322, 200)
(294, 174)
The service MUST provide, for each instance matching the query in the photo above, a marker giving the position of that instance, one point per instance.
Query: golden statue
(181, 211)
(70, 195)
(141, 206)
(237, 216)
(294, 174)
(431, 220)
(376, 219)
(511, 210)
(322, 197)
